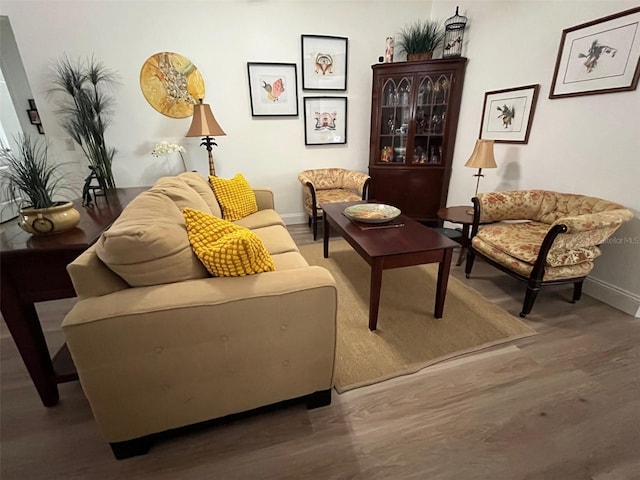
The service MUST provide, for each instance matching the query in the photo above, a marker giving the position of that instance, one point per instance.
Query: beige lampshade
(482, 156)
(204, 124)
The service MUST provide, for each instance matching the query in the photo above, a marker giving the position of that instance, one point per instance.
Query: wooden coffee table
(402, 243)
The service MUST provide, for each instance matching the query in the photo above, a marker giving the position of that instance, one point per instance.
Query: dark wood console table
(33, 269)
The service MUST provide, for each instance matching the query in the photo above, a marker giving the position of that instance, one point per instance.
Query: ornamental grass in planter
(420, 39)
(34, 184)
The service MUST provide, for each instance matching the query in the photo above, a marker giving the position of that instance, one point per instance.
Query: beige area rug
(408, 337)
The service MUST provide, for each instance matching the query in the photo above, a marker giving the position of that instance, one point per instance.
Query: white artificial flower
(165, 147)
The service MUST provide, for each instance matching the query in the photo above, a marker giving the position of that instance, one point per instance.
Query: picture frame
(507, 114)
(600, 56)
(273, 89)
(324, 62)
(34, 116)
(325, 120)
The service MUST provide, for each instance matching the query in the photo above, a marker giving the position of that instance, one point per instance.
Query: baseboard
(294, 218)
(611, 295)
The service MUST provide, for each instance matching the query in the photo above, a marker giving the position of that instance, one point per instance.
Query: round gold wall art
(171, 84)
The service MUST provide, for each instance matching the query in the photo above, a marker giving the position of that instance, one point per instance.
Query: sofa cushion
(522, 241)
(524, 268)
(148, 243)
(225, 249)
(182, 194)
(276, 239)
(202, 186)
(262, 218)
(235, 196)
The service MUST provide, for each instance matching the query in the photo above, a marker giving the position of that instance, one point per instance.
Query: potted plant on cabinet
(84, 90)
(33, 184)
(420, 39)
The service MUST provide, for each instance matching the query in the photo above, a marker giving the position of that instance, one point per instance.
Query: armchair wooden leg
(577, 291)
(529, 299)
(315, 228)
(471, 256)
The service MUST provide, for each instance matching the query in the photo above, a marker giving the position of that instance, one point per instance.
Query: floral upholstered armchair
(542, 237)
(329, 185)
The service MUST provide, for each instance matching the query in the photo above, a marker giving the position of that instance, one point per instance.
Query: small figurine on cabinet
(388, 51)
(386, 155)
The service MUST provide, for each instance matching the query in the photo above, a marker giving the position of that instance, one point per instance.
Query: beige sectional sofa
(159, 343)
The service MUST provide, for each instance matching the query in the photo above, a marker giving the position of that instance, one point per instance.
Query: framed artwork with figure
(273, 89)
(324, 62)
(507, 114)
(325, 120)
(601, 56)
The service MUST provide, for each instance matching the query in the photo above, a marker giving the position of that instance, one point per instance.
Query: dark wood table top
(378, 240)
(93, 221)
(459, 214)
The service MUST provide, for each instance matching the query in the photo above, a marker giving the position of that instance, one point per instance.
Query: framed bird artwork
(507, 114)
(273, 89)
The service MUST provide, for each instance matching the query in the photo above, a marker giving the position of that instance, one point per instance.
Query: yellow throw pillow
(226, 249)
(235, 196)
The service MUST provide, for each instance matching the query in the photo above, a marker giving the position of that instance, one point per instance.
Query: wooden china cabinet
(414, 117)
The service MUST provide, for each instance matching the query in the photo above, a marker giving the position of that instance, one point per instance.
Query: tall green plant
(28, 178)
(85, 102)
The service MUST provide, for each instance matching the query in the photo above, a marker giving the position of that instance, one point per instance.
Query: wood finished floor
(563, 404)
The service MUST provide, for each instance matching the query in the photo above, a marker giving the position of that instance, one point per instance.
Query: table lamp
(204, 125)
(482, 157)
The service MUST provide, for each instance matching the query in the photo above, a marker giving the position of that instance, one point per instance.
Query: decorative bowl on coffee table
(372, 212)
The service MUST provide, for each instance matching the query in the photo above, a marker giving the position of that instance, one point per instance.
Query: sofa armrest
(590, 229)
(264, 198)
(595, 221)
(357, 182)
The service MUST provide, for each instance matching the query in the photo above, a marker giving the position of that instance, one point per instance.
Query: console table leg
(24, 325)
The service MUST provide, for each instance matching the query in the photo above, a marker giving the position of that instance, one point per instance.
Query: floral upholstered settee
(329, 185)
(542, 237)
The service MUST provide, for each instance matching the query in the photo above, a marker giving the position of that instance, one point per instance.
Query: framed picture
(34, 117)
(324, 62)
(507, 114)
(273, 89)
(601, 56)
(325, 120)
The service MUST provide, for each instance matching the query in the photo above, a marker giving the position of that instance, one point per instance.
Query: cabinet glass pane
(395, 118)
(432, 101)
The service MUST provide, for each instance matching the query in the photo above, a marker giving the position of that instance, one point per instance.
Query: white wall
(219, 37)
(586, 144)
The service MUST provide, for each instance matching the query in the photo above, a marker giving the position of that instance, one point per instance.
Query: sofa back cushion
(201, 185)
(514, 205)
(181, 193)
(148, 243)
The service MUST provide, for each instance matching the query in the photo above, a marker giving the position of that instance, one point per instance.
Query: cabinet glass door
(431, 111)
(395, 118)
